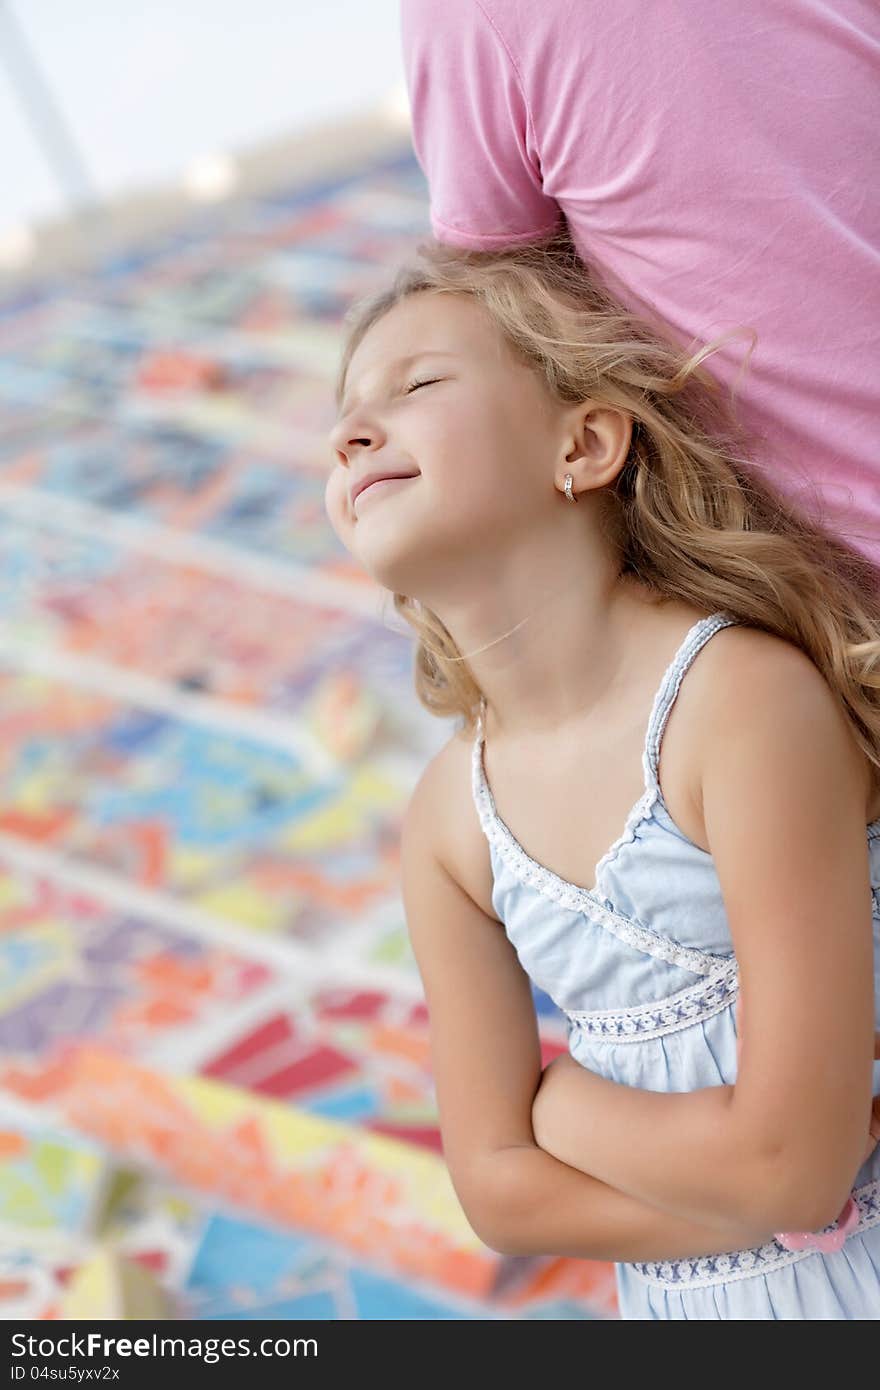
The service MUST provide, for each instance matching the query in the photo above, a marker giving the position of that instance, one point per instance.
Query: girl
(570, 524)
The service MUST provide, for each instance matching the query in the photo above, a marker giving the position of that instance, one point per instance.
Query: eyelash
(414, 385)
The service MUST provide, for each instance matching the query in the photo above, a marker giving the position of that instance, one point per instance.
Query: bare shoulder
(738, 657)
(745, 677)
(450, 816)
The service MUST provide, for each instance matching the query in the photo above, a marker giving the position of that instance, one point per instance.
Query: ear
(599, 444)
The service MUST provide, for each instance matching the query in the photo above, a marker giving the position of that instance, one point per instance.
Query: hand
(874, 1122)
(551, 1107)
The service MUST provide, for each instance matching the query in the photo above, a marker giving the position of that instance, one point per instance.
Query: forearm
(679, 1151)
(541, 1206)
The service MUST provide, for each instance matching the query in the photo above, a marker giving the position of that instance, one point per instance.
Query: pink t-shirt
(718, 161)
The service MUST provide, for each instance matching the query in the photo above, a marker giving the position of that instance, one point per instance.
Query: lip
(363, 483)
(380, 485)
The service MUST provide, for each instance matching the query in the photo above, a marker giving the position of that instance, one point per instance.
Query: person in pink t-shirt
(716, 165)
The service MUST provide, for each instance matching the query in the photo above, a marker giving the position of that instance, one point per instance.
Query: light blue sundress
(643, 966)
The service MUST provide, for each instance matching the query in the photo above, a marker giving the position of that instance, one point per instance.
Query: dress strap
(694, 640)
(481, 717)
(482, 794)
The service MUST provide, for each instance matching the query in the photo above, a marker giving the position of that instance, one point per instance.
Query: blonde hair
(693, 519)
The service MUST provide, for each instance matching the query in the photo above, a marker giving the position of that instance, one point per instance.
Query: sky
(147, 90)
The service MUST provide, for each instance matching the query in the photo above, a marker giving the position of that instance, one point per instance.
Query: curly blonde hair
(693, 518)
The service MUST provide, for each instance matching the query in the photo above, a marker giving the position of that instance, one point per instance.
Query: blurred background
(215, 1087)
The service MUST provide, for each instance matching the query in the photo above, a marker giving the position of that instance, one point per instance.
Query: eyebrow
(402, 362)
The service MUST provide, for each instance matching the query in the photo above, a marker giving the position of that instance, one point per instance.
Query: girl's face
(434, 390)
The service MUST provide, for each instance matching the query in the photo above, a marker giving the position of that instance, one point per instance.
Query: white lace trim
(675, 672)
(701, 1271)
(587, 900)
(681, 1010)
(593, 901)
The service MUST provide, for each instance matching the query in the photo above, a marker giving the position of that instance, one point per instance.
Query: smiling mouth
(381, 483)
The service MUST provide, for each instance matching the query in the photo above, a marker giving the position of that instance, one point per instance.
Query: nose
(345, 449)
(348, 433)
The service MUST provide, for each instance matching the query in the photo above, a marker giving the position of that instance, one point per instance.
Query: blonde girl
(594, 573)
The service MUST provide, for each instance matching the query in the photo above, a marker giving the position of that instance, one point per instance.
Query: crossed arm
(679, 1152)
(784, 809)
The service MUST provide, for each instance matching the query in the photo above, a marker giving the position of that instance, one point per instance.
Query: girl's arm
(576, 1115)
(486, 1055)
(545, 1207)
(678, 1151)
(580, 1114)
(784, 795)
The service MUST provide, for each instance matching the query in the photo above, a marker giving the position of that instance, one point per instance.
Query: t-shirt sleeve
(471, 128)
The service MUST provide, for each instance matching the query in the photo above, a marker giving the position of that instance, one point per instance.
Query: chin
(398, 578)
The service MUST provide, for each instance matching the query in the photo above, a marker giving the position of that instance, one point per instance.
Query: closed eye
(414, 385)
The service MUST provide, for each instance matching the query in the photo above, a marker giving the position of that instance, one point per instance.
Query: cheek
(485, 453)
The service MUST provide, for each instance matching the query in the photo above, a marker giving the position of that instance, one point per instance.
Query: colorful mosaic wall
(215, 1088)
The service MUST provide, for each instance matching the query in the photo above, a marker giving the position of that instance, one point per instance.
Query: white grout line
(285, 732)
(187, 1049)
(314, 967)
(29, 1115)
(285, 577)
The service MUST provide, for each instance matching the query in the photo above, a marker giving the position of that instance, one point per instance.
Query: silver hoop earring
(568, 492)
